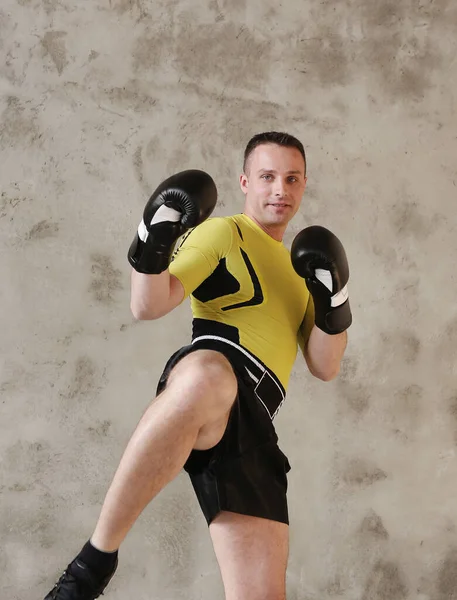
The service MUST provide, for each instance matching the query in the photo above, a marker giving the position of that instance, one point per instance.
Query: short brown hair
(273, 137)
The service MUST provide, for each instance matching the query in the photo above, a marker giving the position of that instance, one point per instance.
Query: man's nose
(280, 188)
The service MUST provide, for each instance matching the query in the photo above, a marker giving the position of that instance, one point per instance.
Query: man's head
(273, 180)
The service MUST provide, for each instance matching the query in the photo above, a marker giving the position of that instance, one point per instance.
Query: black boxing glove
(182, 201)
(319, 257)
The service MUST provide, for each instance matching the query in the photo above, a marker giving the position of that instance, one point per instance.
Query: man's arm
(180, 203)
(323, 353)
(319, 257)
(153, 296)
(196, 256)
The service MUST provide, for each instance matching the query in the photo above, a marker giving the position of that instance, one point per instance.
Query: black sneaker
(78, 583)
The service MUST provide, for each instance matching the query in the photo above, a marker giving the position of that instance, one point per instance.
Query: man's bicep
(190, 268)
(177, 292)
(199, 252)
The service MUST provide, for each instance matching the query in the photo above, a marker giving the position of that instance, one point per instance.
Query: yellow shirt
(239, 276)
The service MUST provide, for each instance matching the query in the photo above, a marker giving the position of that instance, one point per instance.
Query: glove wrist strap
(334, 320)
(149, 259)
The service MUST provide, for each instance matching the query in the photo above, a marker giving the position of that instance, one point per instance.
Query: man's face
(274, 183)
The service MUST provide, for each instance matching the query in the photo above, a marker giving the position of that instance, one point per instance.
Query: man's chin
(279, 219)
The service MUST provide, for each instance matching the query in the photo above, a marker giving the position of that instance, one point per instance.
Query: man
(217, 397)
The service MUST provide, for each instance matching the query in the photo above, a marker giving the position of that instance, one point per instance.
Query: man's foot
(79, 583)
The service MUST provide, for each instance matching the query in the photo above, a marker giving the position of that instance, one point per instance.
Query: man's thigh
(252, 554)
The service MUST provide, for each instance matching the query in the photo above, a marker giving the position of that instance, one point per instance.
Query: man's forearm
(149, 294)
(323, 353)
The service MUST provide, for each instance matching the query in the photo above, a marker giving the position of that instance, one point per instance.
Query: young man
(217, 397)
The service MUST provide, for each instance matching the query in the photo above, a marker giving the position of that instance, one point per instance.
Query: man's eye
(266, 176)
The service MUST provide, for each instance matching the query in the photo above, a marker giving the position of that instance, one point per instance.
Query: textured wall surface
(99, 101)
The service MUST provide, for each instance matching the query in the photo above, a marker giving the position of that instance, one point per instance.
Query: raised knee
(207, 373)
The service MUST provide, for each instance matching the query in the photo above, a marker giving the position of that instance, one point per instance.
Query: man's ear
(244, 183)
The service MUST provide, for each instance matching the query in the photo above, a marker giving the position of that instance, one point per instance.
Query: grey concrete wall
(99, 102)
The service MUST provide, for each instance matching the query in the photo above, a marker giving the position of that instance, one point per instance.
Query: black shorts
(246, 471)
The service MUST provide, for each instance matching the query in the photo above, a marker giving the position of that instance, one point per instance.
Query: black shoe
(78, 583)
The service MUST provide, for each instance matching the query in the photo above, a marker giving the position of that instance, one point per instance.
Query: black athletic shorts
(246, 471)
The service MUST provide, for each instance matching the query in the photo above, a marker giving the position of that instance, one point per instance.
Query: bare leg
(191, 412)
(252, 554)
